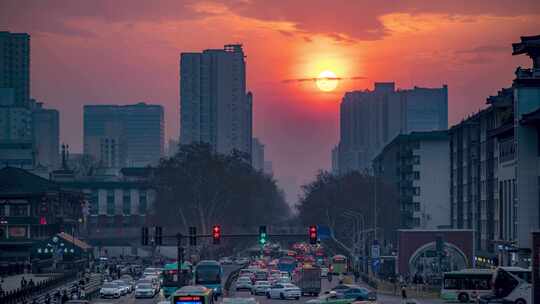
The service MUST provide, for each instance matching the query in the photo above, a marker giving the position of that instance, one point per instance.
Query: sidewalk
(14, 282)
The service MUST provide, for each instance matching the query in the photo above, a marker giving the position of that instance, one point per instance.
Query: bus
(193, 295)
(209, 273)
(511, 284)
(287, 264)
(466, 285)
(338, 264)
(170, 277)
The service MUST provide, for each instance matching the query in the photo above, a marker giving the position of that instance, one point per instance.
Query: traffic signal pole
(180, 259)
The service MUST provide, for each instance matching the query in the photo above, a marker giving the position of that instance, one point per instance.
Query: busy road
(265, 272)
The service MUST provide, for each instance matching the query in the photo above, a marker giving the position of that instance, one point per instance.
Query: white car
(260, 287)
(242, 261)
(243, 283)
(284, 291)
(145, 290)
(110, 290)
(125, 288)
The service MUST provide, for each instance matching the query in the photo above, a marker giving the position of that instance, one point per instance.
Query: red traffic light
(313, 235)
(216, 234)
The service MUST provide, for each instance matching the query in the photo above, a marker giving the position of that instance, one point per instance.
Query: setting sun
(327, 81)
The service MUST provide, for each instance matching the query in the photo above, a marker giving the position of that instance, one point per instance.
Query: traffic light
(216, 234)
(158, 235)
(144, 236)
(313, 235)
(192, 236)
(262, 235)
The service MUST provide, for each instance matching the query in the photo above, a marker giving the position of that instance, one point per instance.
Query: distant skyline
(123, 52)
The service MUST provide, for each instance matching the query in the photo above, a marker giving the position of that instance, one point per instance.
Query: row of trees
(198, 187)
(328, 198)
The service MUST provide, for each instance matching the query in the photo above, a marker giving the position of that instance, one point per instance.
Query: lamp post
(358, 218)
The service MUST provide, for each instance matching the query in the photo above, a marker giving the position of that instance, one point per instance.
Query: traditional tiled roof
(73, 240)
(19, 181)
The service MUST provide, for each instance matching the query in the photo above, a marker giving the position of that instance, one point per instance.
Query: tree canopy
(326, 200)
(198, 187)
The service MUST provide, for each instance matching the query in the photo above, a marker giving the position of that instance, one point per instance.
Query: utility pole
(180, 259)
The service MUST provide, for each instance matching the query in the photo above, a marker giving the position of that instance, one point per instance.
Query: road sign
(324, 232)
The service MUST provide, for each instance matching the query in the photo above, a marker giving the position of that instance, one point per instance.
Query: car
(239, 301)
(324, 272)
(145, 290)
(77, 302)
(260, 287)
(329, 298)
(244, 283)
(284, 280)
(283, 291)
(358, 293)
(261, 275)
(110, 290)
(242, 261)
(125, 288)
(155, 282)
(226, 261)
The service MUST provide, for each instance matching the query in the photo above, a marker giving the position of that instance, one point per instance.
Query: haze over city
(122, 52)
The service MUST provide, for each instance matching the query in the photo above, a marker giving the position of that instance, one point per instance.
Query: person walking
(404, 292)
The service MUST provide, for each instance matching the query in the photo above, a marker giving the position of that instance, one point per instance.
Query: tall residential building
(15, 66)
(46, 135)
(16, 147)
(130, 135)
(257, 154)
(417, 163)
(370, 119)
(214, 105)
(268, 167)
(494, 187)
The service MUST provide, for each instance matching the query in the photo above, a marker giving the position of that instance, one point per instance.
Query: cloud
(482, 49)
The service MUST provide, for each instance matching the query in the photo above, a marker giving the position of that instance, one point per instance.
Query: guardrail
(231, 278)
(56, 290)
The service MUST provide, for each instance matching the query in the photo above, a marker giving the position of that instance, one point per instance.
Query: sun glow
(327, 81)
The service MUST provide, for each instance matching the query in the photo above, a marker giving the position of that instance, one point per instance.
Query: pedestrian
(31, 283)
(23, 282)
(404, 292)
(65, 297)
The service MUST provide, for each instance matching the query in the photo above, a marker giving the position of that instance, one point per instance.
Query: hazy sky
(104, 51)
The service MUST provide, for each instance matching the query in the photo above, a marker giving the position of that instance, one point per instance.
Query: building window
(110, 202)
(142, 202)
(94, 202)
(416, 206)
(416, 190)
(416, 175)
(416, 221)
(18, 210)
(416, 159)
(126, 202)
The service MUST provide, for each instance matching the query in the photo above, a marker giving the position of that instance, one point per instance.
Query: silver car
(145, 290)
(110, 290)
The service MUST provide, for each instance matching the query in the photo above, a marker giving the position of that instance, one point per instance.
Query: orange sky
(128, 51)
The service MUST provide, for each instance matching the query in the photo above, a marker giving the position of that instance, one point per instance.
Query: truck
(309, 280)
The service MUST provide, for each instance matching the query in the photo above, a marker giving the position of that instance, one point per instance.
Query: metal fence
(50, 290)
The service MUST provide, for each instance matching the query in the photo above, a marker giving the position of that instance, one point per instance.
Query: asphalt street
(326, 286)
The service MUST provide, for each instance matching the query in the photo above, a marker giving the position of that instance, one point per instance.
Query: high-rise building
(214, 105)
(16, 147)
(268, 167)
(15, 66)
(370, 119)
(46, 135)
(257, 154)
(417, 163)
(130, 135)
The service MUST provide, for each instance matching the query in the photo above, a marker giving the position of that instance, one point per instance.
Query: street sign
(323, 232)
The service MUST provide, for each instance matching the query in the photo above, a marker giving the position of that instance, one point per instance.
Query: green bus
(170, 277)
(193, 294)
(338, 264)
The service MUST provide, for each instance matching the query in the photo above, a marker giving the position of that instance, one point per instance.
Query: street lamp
(358, 218)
